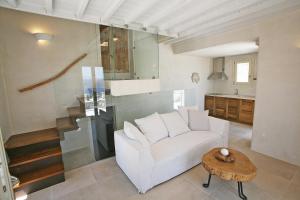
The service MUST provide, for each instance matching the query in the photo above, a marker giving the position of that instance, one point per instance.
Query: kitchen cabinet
(220, 107)
(233, 109)
(209, 104)
(246, 111)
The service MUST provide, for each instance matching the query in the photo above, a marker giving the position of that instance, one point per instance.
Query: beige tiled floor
(104, 180)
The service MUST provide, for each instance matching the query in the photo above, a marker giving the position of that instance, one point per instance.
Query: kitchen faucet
(236, 91)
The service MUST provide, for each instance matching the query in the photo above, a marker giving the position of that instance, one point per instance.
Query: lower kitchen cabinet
(220, 107)
(210, 104)
(246, 111)
(233, 109)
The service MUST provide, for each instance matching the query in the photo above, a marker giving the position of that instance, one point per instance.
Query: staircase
(36, 157)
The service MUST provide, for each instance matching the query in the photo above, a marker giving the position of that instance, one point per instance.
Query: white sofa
(147, 166)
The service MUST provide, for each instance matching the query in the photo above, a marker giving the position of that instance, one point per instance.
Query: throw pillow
(183, 111)
(135, 134)
(174, 123)
(198, 120)
(153, 127)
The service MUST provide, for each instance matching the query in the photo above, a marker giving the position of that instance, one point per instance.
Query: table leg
(241, 193)
(206, 185)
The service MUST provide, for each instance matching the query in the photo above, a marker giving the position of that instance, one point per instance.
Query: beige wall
(25, 62)
(4, 114)
(228, 86)
(276, 130)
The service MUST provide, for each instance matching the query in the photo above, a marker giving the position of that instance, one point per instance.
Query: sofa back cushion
(135, 134)
(174, 123)
(198, 120)
(153, 127)
(183, 111)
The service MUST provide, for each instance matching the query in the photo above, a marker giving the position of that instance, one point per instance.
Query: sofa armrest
(221, 127)
(135, 160)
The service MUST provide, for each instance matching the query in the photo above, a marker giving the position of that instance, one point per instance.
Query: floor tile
(104, 180)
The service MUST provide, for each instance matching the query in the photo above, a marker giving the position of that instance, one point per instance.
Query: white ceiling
(177, 18)
(229, 49)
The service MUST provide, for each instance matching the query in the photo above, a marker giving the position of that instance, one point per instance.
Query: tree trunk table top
(242, 169)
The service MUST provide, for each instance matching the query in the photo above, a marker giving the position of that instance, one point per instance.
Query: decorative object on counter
(195, 77)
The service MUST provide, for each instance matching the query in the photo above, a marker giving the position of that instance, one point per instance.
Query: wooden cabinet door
(220, 107)
(209, 104)
(233, 109)
(246, 111)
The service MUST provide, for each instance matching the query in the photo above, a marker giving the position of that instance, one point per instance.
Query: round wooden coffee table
(241, 170)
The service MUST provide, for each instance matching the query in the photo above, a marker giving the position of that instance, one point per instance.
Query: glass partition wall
(128, 54)
(87, 114)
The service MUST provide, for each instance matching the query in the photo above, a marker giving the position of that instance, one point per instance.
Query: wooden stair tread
(75, 112)
(41, 174)
(66, 124)
(30, 138)
(44, 154)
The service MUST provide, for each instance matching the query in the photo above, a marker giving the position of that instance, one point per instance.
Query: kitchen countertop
(232, 96)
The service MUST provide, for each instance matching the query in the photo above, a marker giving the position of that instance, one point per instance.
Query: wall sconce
(43, 37)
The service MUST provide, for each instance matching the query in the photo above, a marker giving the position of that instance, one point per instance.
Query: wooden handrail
(31, 87)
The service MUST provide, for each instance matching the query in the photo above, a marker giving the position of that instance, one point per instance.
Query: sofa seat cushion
(173, 156)
(181, 144)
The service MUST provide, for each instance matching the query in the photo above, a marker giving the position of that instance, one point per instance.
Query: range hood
(218, 70)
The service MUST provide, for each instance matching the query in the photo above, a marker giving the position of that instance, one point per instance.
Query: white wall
(276, 130)
(175, 73)
(26, 62)
(228, 86)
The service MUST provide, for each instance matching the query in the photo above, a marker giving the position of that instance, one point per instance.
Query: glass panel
(128, 54)
(130, 107)
(178, 98)
(88, 95)
(145, 55)
(242, 72)
(100, 89)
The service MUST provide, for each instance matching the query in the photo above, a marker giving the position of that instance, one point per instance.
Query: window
(178, 98)
(242, 70)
